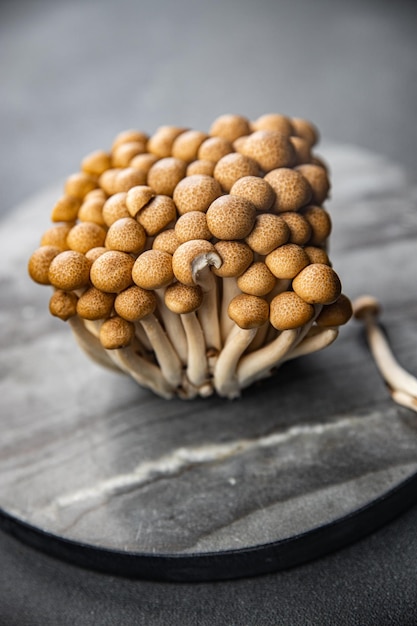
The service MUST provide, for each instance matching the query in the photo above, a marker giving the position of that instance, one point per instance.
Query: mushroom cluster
(197, 262)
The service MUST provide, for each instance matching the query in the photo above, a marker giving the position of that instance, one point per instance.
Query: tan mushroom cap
(317, 255)
(112, 271)
(95, 304)
(91, 210)
(185, 254)
(157, 214)
(318, 180)
(153, 269)
(288, 310)
(201, 166)
(255, 189)
(232, 167)
(366, 306)
(292, 190)
(63, 304)
(269, 149)
(126, 178)
(95, 163)
(107, 181)
(129, 135)
(196, 193)
(192, 225)
(231, 217)
(126, 235)
(317, 284)
(300, 229)
(84, 236)
(135, 303)
(305, 129)
(162, 140)
(287, 260)
(137, 197)
(94, 194)
(182, 299)
(79, 184)
(236, 256)
(69, 270)
(94, 253)
(116, 333)
(115, 208)
(214, 148)
(187, 144)
(166, 241)
(320, 223)
(124, 153)
(337, 313)
(274, 121)
(257, 280)
(39, 263)
(302, 150)
(66, 209)
(165, 175)
(269, 232)
(57, 236)
(248, 311)
(230, 127)
(143, 162)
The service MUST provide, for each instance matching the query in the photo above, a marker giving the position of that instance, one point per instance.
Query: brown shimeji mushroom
(194, 261)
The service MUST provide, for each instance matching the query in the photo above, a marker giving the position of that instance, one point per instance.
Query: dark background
(73, 74)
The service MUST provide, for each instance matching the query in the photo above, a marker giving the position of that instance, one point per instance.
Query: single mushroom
(255, 189)
(317, 284)
(112, 271)
(270, 149)
(158, 214)
(165, 175)
(275, 122)
(268, 233)
(196, 193)
(232, 167)
(292, 189)
(230, 127)
(231, 217)
(126, 235)
(187, 144)
(214, 148)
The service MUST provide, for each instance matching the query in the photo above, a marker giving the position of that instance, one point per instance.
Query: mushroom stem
(90, 343)
(165, 353)
(173, 327)
(317, 340)
(410, 402)
(225, 371)
(145, 373)
(208, 312)
(230, 290)
(197, 367)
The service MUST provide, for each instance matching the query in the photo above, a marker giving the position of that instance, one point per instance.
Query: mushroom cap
(126, 235)
(79, 184)
(302, 150)
(107, 180)
(84, 236)
(116, 333)
(269, 232)
(161, 142)
(95, 163)
(255, 189)
(236, 256)
(288, 310)
(137, 197)
(143, 162)
(317, 284)
(187, 144)
(305, 129)
(115, 207)
(320, 223)
(317, 255)
(56, 236)
(153, 269)
(112, 271)
(233, 166)
(366, 306)
(63, 304)
(157, 214)
(257, 280)
(94, 253)
(300, 229)
(270, 149)
(69, 270)
(66, 209)
(95, 304)
(337, 313)
(126, 178)
(183, 299)
(201, 166)
(196, 193)
(39, 263)
(248, 311)
(165, 175)
(124, 153)
(135, 303)
(91, 210)
(274, 121)
(214, 148)
(167, 241)
(287, 260)
(231, 217)
(185, 256)
(192, 225)
(230, 127)
(126, 136)
(318, 180)
(292, 190)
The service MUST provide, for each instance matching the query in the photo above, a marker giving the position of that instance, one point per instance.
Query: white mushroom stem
(259, 364)
(165, 353)
(145, 373)
(197, 366)
(225, 371)
(173, 326)
(400, 397)
(317, 340)
(230, 290)
(90, 343)
(208, 313)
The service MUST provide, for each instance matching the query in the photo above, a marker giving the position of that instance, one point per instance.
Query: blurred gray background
(75, 73)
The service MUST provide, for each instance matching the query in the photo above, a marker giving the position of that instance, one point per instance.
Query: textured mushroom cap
(79, 184)
(300, 229)
(366, 306)
(306, 130)
(196, 193)
(302, 150)
(153, 269)
(236, 257)
(143, 162)
(292, 190)
(69, 270)
(39, 263)
(107, 180)
(135, 303)
(124, 153)
(192, 225)
(255, 189)
(269, 232)
(56, 236)
(162, 140)
(230, 127)
(91, 210)
(248, 311)
(115, 208)
(320, 223)
(336, 314)
(231, 217)
(95, 163)
(201, 166)
(94, 304)
(165, 175)
(187, 144)
(185, 254)
(274, 121)
(317, 255)
(126, 136)
(269, 149)
(232, 167)
(116, 333)
(317, 284)
(318, 180)
(94, 253)
(127, 178)
(66, 209)
(214, 148)
(63, 304)
(157, 214)
(138, 197)
(288, 310)
(112, 271)
(287, 260)
(257, 280)
(84, 236)
(126, 235)
(183, 299)
(166, 241)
